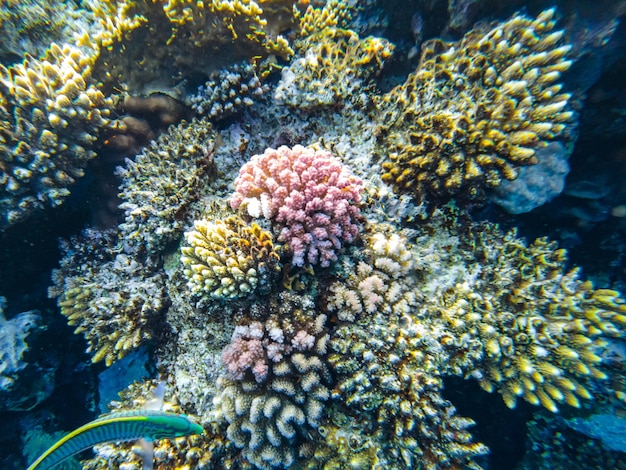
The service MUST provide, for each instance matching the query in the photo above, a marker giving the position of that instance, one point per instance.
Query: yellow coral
(229, 259)
(243, 21)
(334, 14)
(474, 112)
(49, 119)
(540, 328)
(337, 67)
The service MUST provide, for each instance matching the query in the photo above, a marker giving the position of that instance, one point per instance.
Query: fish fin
(147, 453)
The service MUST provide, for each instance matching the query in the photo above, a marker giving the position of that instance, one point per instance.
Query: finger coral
(309, 194)
(49, 118)
(229, 259)
(274, 398)
(476, 111)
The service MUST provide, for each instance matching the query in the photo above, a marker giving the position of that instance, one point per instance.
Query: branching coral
(49, 118)
(540, 327)
(158, 186)
(387, 362)
(275, 397)
(309, 194)
(228, 92)
(229, 259)
(336, 68)
(114, 300)
(476, 111)
(229, 19)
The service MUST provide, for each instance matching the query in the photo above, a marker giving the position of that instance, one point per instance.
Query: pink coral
(245, 354)
(309, 193)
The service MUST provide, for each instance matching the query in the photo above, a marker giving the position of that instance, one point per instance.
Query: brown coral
(476, 111)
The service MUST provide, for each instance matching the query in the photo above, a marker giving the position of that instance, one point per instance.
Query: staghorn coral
(227, 92)
(49, 119)
(540, 328)
(273, 409)
(229, 259)
(158, 186)
(309, 194)
(336, 68)
(473, 113)
(113, 299)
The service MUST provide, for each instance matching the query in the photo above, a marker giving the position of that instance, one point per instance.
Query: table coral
(229, 259)
(50, 117)
(476, 111)
(309, 194)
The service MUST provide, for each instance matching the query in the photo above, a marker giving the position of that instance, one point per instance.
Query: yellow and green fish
(117, 427)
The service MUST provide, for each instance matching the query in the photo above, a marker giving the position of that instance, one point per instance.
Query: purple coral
(309, 193)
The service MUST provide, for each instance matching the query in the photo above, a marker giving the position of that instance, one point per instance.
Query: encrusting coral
(229, 259)
(309, 194)
(474, 112)
(49, 118)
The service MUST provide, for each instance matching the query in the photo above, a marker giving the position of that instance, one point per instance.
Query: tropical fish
(116, 427)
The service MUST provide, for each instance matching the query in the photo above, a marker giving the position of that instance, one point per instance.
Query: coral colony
(305, 312)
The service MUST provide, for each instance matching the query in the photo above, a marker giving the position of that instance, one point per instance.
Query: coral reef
(49, 118)
(388, 360)
(386, 295)
(114, 300)
(540, 328)
(158, 186)
(275, 397)
(309, 194)
(161, 43)
(474, 112)
(227, 92)
(336, 68)
(229, 259)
